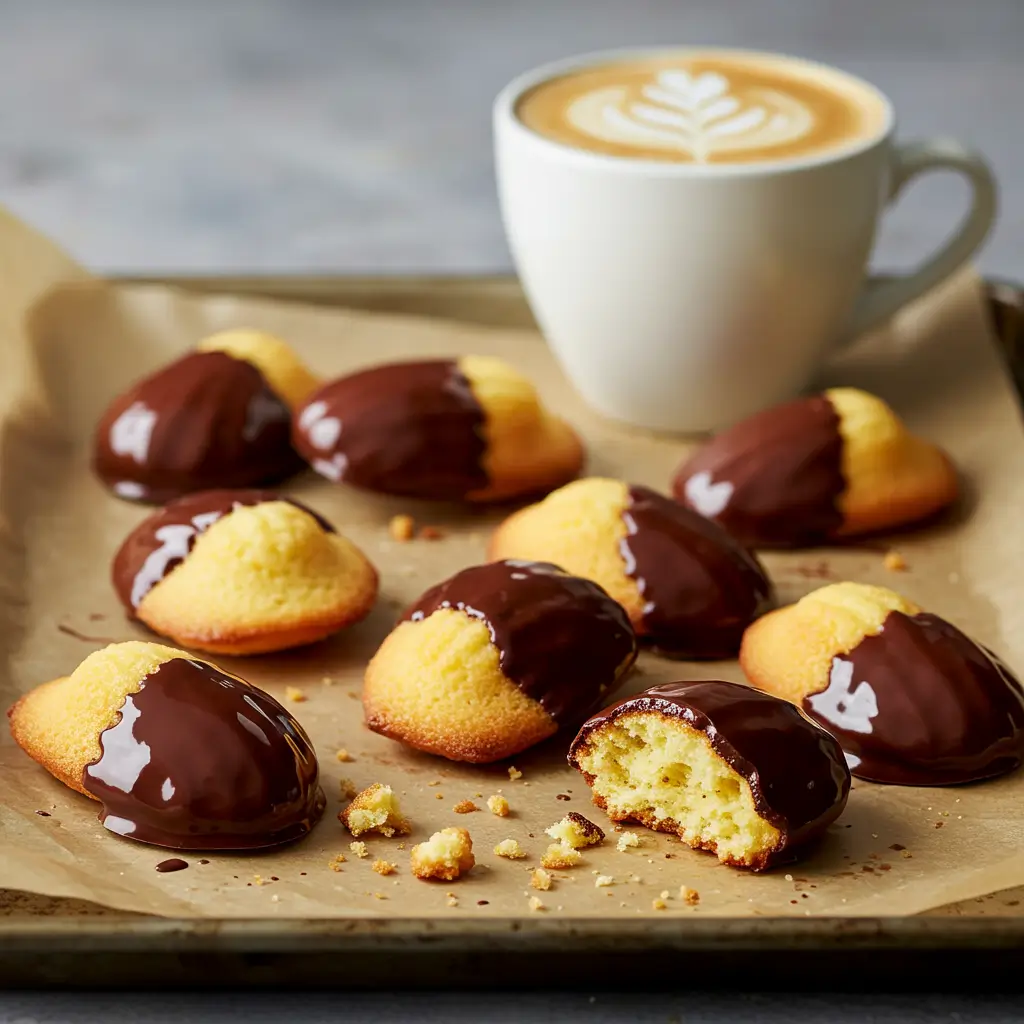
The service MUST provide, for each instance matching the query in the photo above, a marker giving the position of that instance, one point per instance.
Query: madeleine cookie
(725, 767)
(469, 429)
(810, 471)
(690, 589)
(178, 752)
(216, 417)
(912, 700)
(242, 572)
(496, 659)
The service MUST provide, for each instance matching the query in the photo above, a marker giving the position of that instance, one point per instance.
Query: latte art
(703, 110)
(697, 115)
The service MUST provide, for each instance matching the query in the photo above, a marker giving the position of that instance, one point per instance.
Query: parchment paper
(69, 343)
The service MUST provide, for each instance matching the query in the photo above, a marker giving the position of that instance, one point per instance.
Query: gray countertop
(230, 136)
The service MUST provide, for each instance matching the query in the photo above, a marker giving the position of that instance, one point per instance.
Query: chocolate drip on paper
(205, 421)
(773, 480)
(921, 704)
(561, 639)
(701, 588)
(410, 429)
(201, 760)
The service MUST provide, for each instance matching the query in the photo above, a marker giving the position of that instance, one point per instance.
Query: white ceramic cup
(682, 296)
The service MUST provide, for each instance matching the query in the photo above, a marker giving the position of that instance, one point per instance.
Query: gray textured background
(353, 137)
(319, 135)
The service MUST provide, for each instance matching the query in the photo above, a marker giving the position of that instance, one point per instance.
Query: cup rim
(504, 114)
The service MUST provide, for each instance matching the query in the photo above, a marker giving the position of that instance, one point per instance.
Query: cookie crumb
(294, 694)
(906, 854)
(359, 849)
(658, 904)
(559, 856)
(347, 788)
(536, 904)
(576, 831)
(375, 809)
(436, 782)
(626, 840)
(430, 533)
(453, 901)
(498, 805)
(446, 854)
(465, 807)
(514, 773)
(336, 861)
(511, 849)
(384, 867)
(688, 895)
(344, 756)
(401, 528)
(540, 879)
(894, 561)
(602, 881)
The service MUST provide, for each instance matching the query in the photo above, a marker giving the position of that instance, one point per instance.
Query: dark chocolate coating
(921, 704)
(700, 586)
(409, 429)
(201, 760)
(773, 480)
(163, 540)
(561, 639)
(205, 421)
(796, 770)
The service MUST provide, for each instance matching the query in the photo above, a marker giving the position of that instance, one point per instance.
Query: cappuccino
(705, 108)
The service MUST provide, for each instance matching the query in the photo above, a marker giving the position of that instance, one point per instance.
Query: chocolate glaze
(773, 480)
(163, 541)
(797, 773)
(410, 429)
(200, 760)
(561, 639)
(206, 420)
(921, 704)
(172, 864)
(700, 586)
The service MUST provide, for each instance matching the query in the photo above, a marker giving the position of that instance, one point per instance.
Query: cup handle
(882, 297)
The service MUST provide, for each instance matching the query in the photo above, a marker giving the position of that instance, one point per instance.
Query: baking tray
(55, 942)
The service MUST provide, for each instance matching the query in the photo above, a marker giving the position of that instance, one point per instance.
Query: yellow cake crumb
(540, 879)
(375, 809)
(384, 867)
(626, 840)
(536, 903)
(294, 694)
(688, 895)
(465, 807)
(446, 854)
(336, 861)
(344, 756)
(453, 901)
(359, 849)
(576, 831)
(401, 527)
(514, 773)
(658, 904)
(439, 796)
(511, 849)
(894, 562)
(559, 856)
(498, 805)
(602, 881)
(347, 788)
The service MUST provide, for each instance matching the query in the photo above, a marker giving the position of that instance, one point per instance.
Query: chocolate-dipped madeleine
(242, 572)
(217, 417)
(496, 659)
(912, 700)
(725, 767)
(814, 470)
(689, 587)
(178, 752)
(467, 429)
